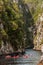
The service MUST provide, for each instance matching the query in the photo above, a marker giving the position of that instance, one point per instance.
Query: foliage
(12, 22)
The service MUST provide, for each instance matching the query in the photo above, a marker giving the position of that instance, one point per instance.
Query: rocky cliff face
(38, 38)
(5, 46)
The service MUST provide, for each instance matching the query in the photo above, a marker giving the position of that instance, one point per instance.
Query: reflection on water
(33, 59)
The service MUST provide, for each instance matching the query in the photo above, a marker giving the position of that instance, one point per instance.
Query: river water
(32, 59)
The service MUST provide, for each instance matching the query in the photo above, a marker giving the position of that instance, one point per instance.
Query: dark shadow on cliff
(28, 23)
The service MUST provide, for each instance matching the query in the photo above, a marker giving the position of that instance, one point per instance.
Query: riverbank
(37, 49)
(40, 63)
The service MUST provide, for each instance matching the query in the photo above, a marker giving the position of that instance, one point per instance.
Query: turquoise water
(32, 59)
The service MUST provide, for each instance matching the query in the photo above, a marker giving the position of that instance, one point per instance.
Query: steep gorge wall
(38, 38)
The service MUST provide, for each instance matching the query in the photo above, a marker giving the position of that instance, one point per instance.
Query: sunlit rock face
(38, 39)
